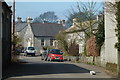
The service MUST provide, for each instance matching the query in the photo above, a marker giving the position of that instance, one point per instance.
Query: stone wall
(6, 35)
(28, 37)
(103, 56)
(89, 60)
(37, 43)
(110, 34)
(21, 34)
(84, 59)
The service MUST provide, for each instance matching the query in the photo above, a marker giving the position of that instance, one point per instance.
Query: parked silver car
(30, 51)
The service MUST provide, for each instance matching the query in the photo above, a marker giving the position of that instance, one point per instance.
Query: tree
(85, 14)
(16, 42)
(62, 42)
(73, 49)
(100, 35)
(75, 15)
(70, 48)
(87, 22)
(117, 45)
(48, 17)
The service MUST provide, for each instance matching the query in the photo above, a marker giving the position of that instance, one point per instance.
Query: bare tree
(85, 14)
(85, 20)
(62, 42)
(69, 47)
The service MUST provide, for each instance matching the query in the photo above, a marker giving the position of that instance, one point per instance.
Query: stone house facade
(78, 37)
(38, 35)
(75, 33)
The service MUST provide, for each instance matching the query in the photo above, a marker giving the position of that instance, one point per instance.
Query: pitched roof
(20, 26)
(46, 29)
(85, 26)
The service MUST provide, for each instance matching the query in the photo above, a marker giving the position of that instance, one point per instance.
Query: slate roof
(85, 26)
(46, 29)
(20, 26)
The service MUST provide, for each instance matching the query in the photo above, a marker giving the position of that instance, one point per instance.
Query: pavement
(33, 68)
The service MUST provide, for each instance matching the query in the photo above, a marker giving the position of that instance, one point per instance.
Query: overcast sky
(34, 9)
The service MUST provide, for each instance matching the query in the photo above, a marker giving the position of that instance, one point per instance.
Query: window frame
(42, 42)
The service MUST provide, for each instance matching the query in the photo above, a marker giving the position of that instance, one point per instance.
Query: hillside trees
(49, 17)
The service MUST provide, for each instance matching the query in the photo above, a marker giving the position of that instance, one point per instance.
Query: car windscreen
(55, 51)
(31, 48)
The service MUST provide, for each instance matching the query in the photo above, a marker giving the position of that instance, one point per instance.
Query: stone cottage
(73, 33)
(77, 33)
(38, 35)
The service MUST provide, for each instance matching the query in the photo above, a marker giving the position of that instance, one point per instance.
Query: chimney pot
(19, 19)
(75, 20)
(29, 19)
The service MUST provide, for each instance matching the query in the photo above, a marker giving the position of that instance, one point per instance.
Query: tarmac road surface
(33, 67)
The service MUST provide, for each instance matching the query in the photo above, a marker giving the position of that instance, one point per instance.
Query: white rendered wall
(110, 35)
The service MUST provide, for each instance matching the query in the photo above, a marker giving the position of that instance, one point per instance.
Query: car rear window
(55, 51)
(31, 48)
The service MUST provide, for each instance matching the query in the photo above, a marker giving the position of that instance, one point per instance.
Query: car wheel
(61, 60)
(42, 58)
(26, 54)
(33, 54)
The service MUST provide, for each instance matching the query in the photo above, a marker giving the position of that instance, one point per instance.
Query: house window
(42, 42)
(51, 42)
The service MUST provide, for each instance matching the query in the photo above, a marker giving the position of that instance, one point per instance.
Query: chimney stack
(19, 19)
(29, 20)
(75, 21)
(61, 22)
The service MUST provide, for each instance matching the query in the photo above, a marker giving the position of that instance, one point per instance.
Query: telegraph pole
(13, 23)
(13, 17)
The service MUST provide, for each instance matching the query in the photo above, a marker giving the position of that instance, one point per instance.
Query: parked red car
(55, 54)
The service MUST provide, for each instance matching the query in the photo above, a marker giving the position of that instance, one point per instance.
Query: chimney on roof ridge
(29, 19)
(45, 21)
(61, 22)
(19, 19)
(75, 21)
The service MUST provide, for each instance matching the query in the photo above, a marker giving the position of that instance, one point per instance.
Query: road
(33, 67)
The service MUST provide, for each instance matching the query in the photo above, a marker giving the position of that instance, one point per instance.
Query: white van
(30, 51)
